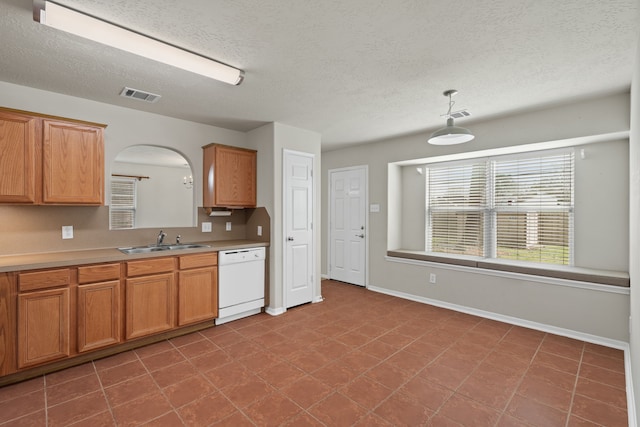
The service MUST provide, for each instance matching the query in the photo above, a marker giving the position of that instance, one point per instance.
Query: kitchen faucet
(161, 237)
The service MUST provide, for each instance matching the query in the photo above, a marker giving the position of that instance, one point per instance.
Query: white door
(347, 225)
(298, 228)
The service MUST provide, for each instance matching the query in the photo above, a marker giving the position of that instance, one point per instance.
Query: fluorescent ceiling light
(71, 21)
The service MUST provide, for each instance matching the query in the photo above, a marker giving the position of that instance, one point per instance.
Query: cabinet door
(43, 326)
(229, 176)
(197, 295)
(98, 315)
(8, 292)
(150, 305)
(73, 163)
(18, 158)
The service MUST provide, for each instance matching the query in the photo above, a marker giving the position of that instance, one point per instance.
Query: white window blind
(533, 202)
(456, 197)
(509, 207)
(123, 204)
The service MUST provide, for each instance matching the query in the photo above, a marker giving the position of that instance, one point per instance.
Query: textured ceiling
(353, 71)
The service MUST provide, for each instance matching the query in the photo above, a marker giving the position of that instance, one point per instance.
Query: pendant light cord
(451, 104)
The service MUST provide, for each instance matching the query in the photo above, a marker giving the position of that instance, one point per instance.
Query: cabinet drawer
(44, 279)
(98, 273)
(149, 266)
(208, 259)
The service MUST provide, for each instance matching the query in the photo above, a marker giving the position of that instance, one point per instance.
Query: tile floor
(359, 358)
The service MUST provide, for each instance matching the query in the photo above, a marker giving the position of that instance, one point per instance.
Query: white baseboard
(324, 276)
(275, 311)
(594, 339)
(631, 400)
(317, 298)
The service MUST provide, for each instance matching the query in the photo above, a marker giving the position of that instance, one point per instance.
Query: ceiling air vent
(140, 95)
(460, 114)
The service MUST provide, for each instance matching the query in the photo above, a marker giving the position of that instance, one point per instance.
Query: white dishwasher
(240, 283)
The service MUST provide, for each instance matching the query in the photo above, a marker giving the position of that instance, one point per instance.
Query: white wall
(586, 311)
(634, 247)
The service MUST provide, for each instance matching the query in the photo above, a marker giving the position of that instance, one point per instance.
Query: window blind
(509, 207)
(456, 200)
(533, 205)
(123, 204)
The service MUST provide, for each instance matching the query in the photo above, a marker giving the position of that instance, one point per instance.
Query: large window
(509, 207)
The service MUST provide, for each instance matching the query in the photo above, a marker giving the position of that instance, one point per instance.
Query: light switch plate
(228, 226)
(206, 227)
(67, 231)
(259, 230)
(374, 207)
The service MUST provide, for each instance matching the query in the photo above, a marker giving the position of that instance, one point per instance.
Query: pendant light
(450, 134)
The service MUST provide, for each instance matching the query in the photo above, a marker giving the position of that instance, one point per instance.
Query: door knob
(360, 236)
(290, 239)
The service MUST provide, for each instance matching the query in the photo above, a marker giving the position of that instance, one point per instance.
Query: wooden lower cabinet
(8, 298)
(150, 305)
(47, 316)
(197, 295)
(43, 326)
(98, 315)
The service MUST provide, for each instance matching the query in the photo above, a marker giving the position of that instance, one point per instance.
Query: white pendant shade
(450, 135)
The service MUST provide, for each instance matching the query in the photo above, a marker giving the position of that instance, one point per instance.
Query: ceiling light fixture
(450, 134)
(71, 21)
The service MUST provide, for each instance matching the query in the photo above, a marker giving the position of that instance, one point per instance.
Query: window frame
(490, 211)
(113, 209)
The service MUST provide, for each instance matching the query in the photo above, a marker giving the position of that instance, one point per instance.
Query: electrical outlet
(432, 278)
(206, 227)
(259, 232)
(228, 226)
(67, 231)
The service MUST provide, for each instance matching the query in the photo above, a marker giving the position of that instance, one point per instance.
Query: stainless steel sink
(155, 248)
(187, 246)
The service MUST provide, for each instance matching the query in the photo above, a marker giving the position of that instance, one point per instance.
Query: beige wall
(587, 311)
(26, 229)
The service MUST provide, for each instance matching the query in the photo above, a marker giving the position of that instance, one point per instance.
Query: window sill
(602, 277)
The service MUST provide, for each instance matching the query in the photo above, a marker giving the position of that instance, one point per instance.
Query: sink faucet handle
(178, 237)
(161, 237)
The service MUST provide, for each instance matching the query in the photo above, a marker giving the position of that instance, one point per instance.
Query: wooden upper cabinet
(17, 158)
(229, 176)
(73, 163)
(50, 160)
